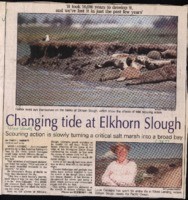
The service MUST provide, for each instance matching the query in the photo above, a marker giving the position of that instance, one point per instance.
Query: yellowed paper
(2, 40)
(95, 100)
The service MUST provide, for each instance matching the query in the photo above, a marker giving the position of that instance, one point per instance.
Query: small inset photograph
(96, 60)
(156, 165)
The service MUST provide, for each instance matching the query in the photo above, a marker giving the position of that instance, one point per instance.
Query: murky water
(48, 88)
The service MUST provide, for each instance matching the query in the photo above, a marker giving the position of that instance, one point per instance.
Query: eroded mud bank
(81, 59)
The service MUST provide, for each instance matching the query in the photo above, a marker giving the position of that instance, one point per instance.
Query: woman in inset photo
(121, 172)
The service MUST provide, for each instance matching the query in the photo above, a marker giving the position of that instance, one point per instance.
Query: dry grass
(128, 35)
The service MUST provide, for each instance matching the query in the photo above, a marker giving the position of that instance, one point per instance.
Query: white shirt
(120, 174)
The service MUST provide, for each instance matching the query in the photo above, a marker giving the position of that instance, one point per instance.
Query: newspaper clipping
(94, 100)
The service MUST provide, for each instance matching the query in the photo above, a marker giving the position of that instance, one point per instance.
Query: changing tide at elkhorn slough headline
(108, 121)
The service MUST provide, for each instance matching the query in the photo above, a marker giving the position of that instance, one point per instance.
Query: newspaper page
(95, 100)
(2, 39)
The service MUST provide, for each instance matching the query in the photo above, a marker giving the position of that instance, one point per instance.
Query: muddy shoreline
(75, 81)
(80, 59)
(40, 87)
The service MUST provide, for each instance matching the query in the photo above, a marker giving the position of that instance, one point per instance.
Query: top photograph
(97, 60)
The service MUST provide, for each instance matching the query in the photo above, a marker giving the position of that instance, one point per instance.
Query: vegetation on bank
(28, 34)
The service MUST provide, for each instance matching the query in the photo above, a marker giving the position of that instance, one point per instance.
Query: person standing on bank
(121, 172)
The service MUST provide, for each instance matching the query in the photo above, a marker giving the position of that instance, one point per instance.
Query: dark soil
(80, 59)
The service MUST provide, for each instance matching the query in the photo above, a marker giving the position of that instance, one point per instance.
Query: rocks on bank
(90, 61)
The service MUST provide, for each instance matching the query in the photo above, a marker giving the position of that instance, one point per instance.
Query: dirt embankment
(81, 59)
(68, 49)
(171, 178)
